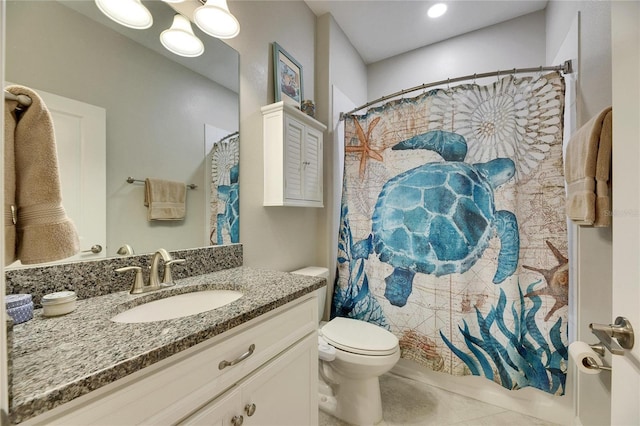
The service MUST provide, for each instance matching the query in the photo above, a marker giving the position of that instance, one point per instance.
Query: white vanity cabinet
(262, 372)
(276, 394)
(293, 151)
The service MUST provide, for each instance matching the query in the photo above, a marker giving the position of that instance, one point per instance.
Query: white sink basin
(178, 306)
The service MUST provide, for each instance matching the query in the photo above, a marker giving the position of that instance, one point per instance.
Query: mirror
(159, 107)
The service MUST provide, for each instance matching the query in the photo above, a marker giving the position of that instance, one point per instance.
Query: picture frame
(287, 73)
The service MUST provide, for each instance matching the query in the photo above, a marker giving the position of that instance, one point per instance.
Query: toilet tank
(317, 271)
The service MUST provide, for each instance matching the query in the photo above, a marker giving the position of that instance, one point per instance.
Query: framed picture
(287, 77)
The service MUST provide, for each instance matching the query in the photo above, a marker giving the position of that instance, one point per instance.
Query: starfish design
(557, 281)
(364, 148)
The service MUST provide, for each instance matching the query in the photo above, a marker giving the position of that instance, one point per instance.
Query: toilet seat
(359, 337)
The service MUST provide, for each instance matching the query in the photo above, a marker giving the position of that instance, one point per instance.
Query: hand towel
(587, 170)
(603, 173)
(9, 182)
(44, 231)
(165, 199)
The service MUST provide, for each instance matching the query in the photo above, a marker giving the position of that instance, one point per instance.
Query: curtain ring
(475, 75)
(448, 84)
(514, 73)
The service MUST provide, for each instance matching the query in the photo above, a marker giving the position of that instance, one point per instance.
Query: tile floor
(408, 402)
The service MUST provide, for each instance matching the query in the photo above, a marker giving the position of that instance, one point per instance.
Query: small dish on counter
(19, 307)
(59, 303)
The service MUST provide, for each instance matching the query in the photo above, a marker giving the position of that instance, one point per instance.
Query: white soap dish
(59, 303)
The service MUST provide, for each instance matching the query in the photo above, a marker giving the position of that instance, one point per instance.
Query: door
(293, 158)
(284, 392)
(625, 38)
(312, 165)
(80, 131)
(222, 411)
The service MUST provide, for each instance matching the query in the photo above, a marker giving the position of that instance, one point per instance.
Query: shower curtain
(224, 221)
(452, 230)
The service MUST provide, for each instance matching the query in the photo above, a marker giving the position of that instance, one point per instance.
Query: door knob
(250, 409)
(616, 336)
(95, 249)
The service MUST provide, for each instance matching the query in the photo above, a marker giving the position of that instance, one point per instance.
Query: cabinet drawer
(186, 381)
(282, 392)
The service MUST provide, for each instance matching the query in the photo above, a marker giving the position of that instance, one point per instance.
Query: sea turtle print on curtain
(224, 222)
(438, 218)
(453, 232)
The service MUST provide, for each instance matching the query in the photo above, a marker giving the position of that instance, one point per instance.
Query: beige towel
(587, 172)
(165, 199)
(9, 183)
(44, 232)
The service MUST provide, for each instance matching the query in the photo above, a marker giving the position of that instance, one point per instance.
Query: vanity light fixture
(437, 10)
(180, 39)
(130, 13)
(215, 19)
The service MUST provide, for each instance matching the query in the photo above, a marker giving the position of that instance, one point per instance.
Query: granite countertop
(57, 359)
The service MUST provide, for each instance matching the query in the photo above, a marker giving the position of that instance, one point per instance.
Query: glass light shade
(130, 13)
(173, 1)
(180, 39)
(437, 10)
(215, 19)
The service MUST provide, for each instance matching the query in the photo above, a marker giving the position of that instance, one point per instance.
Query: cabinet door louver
(312, 166)
(293, 159)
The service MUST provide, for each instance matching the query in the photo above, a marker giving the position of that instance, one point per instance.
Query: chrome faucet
(154, 277)
(154, 282)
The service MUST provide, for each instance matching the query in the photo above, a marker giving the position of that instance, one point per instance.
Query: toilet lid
(359, 337)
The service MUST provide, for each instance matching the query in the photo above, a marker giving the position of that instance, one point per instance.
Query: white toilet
(353, 354)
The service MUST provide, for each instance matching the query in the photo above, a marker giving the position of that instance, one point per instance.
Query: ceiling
(385, 28)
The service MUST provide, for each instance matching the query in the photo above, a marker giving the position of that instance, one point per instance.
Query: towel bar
(23, 100)
(132, 180)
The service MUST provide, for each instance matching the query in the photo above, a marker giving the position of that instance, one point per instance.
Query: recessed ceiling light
(437, 10)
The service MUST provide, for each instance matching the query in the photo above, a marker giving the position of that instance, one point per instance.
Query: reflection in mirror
(163, 113)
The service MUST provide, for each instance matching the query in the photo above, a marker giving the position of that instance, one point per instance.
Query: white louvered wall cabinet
(293, 149)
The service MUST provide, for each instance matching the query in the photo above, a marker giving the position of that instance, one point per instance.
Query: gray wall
(156, 111)
(519, 42)
(341, 69)
(281, 238)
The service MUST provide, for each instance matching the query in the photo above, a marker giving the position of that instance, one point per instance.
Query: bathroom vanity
(251, 362)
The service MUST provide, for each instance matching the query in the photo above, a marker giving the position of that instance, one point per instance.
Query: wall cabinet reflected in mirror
(157, 107)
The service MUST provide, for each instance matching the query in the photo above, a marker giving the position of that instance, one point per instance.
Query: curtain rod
(23, 100)
(237, 132)
(566, 68)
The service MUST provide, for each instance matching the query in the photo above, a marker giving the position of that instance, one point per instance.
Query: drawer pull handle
(237, 420)
(250, 409)
(224, 364)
